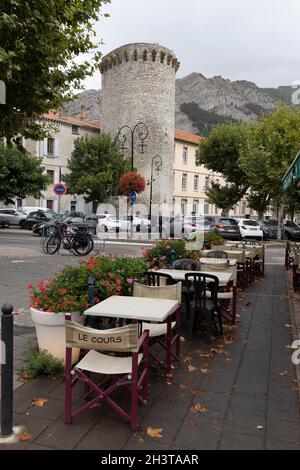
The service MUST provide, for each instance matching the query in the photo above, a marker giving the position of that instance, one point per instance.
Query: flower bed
(166, 252)
(68, 290)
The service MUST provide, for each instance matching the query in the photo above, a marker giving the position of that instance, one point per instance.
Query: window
(206, 182)
(50, 146)
(195, 206)
(183, 206)
(73, 206)
(19, 203)
(196, 183)
(243, 208)
(184, 181)
(50, 173)
(206, 208)
(75, 130)
(50, 205)
(216, 210)
(185, 155)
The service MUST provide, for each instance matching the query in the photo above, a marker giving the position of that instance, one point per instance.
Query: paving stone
(231, 441)
(62, 436)
(283, 430)
(279, 445)
(241, 423)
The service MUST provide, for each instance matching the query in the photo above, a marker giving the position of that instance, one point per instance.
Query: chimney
(82, 113)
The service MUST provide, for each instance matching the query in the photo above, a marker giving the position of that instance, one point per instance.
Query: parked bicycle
(71, 238)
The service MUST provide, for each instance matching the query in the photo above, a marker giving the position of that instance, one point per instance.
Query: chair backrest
(223, 268)
(161, 292)
(117, 339)
(197, 286)
(187, 265)
(155, 279)
(218, 254)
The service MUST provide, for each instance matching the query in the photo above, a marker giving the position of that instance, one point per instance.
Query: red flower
(30, 286)
(132, 181)
(118, 280)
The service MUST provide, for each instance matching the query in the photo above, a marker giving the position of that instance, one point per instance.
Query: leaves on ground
(187, 358)
(284, 373)
(198, 409)
(228, 340)
(182, 339)
(260, 428)
(155, 432)
(193, 424)
(204, 371)
(25, 436)
(39, 402)
(296, 389)
(192, 369)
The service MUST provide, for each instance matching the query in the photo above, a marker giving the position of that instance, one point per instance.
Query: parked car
(266, 228)
(250, 229)
(3, 223)
(182, 226)
(37, 217)
(140, 224)
(226, 227)
(13, 217)
(272, 226)
(291, 231)
(112, 224)
(29, 209)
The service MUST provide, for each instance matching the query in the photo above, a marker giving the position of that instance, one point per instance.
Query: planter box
(51, 332)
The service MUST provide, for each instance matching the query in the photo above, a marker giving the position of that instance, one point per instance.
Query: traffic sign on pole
(133, 197)
(60, 189)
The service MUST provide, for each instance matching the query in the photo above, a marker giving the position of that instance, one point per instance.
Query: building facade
(55, 151)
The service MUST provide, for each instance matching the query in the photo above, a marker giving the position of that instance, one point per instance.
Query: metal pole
(132, 150)
(7, 371)
(59, 208)
(151, 192)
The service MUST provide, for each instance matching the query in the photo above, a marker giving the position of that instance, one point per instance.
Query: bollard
(7, 372)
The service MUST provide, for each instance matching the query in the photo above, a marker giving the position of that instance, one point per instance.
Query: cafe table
(216, 261)
(179, 275)
(140, 309)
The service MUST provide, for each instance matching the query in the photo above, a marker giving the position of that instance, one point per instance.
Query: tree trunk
(225, 212)
(261, 215)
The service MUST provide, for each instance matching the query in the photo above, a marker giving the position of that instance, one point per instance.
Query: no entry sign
(60, 189)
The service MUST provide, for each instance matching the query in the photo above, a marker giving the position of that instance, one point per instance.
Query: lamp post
(157, 163)
(141, 131)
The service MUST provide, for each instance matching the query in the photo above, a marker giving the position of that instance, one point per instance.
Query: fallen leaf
(26, 377)
(198, 409)
(284, 373)
(187, 358)
(170, 376)
(182, 339)
(49, 435)
(296, 389)
(293, 347)
(184, 386)
(39, 402)
(193, 424)
(192, 369)
(155, 432)
(25, 436)
(228, 340)
(198, 351)
(205, 356)
(288, 326)
(260, 428)
(204, 371)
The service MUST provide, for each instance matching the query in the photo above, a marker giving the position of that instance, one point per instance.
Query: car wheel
(138, 228)
(105, 229)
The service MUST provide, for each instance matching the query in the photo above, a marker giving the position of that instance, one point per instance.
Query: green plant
(167, 251)
(41, 363)
(213, 238)
(68, 290)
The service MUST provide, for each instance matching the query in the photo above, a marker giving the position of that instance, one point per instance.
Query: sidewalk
(246, 387)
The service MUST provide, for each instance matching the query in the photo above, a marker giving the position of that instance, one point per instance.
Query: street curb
(295, 322)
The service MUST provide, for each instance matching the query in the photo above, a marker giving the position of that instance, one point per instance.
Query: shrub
(41, 363)
(167, 251)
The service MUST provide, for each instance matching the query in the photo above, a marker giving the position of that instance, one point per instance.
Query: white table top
(134, 308)
(215, 261)
(179, 275)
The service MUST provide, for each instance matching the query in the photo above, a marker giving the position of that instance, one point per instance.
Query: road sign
(133, 197)
(60, 189)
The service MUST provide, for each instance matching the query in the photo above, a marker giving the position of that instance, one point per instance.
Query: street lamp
(156, 165)
(141, 130)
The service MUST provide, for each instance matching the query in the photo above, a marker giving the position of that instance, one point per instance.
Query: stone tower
(138, 85)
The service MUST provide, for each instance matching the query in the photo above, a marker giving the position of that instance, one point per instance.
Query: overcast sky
(256, 40)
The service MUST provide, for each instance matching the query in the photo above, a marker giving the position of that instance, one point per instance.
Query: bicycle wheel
(51, 245)
(82, 247)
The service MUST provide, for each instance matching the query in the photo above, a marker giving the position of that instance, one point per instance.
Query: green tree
(41, 43)
(96, 166)
(21, 174)
(269, 149)
(220, 152)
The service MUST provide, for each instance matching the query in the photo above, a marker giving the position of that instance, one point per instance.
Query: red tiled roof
(71, 120)
(186, 137)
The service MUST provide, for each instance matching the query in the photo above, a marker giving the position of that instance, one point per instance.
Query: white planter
(51, 332)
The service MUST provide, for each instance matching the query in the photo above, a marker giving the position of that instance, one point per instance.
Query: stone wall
(138, 85)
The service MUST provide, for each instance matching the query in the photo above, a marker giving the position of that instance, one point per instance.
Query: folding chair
(202, 305)
(166, 334)
(130, 370)
(155, 279)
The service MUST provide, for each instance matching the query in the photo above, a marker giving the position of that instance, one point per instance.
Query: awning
(292, 176)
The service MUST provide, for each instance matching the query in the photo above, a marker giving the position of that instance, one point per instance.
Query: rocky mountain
(202, 103)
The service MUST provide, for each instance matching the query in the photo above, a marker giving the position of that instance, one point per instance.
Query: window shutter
(56, 147)
(46, 146)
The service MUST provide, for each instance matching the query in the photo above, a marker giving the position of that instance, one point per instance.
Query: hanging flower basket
(132, 181)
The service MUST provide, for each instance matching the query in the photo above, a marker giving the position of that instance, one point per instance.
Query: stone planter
(51, 332)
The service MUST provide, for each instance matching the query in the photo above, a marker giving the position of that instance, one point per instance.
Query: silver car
(13, 216)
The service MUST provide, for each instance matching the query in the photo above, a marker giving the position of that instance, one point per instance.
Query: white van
(27, 210)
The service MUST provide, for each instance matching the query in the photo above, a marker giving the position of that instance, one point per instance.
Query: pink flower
(130, 281)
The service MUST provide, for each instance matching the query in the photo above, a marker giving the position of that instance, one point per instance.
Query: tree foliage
(220, 152)
(21, 174)
(96, 166)
(268, 151)
(41, 42)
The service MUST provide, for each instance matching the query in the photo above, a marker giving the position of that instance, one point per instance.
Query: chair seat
(157, 329)
(104, 364)
(221, 295)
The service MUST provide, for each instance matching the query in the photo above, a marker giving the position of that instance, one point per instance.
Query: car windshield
(228, 222)
(290, 224)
